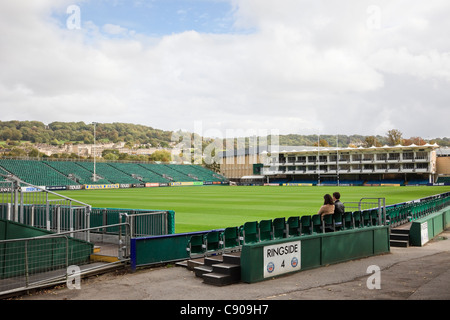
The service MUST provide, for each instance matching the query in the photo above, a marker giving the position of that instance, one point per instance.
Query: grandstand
(75, 172)
(68, 173)
(395, 165)
(140, 173)
(35, 172)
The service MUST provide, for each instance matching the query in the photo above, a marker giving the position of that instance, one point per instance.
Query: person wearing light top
(328, 206)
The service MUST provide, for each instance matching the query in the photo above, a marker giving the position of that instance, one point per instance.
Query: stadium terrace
(387, 165)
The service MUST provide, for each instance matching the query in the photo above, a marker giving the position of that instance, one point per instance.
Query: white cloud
(303, 67)
(426, 65)
(114, 29)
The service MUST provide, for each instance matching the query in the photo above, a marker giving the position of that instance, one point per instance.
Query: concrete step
(400, 231)
(219, 279)
(233, 270)
(399, 237)
(399, 243)
(201, 270)
(219, 270)
(191, 264)
(232, 259)
(403, 237)
(209, 261)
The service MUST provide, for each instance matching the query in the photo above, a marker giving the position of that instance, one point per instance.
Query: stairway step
(232, 259)
(202, 270)
(219, 279)
(227, 269)
(403, 237)
(209, 261)
(400, 231)
(399, 243)
(191, 264)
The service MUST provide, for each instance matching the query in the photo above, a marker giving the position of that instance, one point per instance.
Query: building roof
(302, 149)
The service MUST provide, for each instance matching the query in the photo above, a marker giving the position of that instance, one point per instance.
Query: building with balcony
(399, 165)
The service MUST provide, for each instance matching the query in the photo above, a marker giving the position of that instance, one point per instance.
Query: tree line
(15, 133)
(57, 133)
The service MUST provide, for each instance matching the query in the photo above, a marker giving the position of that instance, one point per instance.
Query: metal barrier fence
(34, 206)
(143, 222)
(48, 260)
(363, 204)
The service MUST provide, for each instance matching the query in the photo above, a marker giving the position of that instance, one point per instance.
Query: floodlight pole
(337, 158)
(95, 149)
(318, 162)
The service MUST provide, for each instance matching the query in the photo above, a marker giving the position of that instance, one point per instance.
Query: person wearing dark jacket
(338, 205)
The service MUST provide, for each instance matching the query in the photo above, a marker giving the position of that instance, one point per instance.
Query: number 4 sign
(281, 258)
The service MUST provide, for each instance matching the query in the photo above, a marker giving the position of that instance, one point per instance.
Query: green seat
(306, 224)
(196, 246)
(230, 238)
(374, 217)
(366, 219)
(327, 223)
(357, 219)
(293, 226)
(212, 242)
(316, 223)
(250, 233)
(279, 228)
(348, 220)
(265, 230)
(338, 221)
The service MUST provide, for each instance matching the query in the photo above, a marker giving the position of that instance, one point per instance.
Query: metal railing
(148, 223)
(369, 204)
(41, 261)
(143, 222)
(37, 207)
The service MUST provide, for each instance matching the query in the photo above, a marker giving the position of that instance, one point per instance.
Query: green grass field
(205, 208)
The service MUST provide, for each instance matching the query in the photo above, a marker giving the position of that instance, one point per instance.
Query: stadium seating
(279, 228)
(75, 172)
(338, 221)
(293, 226)
(366, 219)
(357, 219)
(212, 242)
(249, 232)
(306, 224)
(35, 172)
(265, 230)
(374, 217)
(230, 239)
(64, 173)
(139, 172)
(195, 246)
(327, 223)
(316, 223)
(108, 172)
(443, 180)
(348, 220)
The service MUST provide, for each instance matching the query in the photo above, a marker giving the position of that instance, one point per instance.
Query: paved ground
(414, 273)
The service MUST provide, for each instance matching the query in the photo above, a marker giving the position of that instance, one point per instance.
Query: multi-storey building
(353, 165)
(319, 165)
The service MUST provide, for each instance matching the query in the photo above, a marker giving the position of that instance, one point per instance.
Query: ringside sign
(281, 258)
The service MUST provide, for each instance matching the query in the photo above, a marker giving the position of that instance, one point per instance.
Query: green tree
(394, 137)
(161, 155)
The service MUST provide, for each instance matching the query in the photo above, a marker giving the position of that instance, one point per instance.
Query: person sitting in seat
(338, 205)
(328, 206)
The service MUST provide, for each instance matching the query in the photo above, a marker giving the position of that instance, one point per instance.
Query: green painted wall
(319, 249)
(432, 225)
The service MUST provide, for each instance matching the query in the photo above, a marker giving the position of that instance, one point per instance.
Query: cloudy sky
(223, 66)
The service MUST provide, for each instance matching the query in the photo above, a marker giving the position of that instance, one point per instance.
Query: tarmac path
(413, 273)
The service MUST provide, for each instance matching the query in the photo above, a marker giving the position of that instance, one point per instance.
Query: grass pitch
(213, 207)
